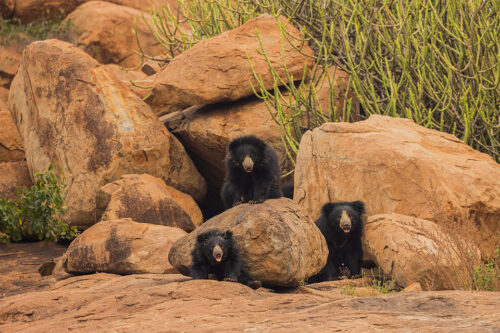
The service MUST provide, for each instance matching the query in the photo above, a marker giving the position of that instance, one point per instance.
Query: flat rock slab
(172, 303)
(19, 264)
(279, 244)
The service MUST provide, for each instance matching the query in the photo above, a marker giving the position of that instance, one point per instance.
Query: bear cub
(341, 225)
(252, 172)
(216, 253)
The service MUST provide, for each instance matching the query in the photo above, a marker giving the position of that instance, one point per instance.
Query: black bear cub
(216, 253)
(252, 172)
(341, 225)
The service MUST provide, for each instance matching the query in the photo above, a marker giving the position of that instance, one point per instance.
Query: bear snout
(345, 222)
(248, 164)
(217, 253)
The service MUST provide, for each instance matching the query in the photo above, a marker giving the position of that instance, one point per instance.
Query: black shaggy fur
(287, 190)
(345, 251)
(230, 266)
(252, 184)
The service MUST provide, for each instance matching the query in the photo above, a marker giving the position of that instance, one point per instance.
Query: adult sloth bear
(252, 172)
(341, 225)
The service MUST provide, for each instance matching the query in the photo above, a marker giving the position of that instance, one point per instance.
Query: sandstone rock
(76, 115)
(146, 5)
(29, 10)
(207, 130)
(365, 292)
(397, 166)
(147, 199)
(279, 244)
(123, 75)
(167, 302)
(217, 69)
(20, 262)
(415, 286)
(103, 30)
(122, 247)
(11, 144)
(6, 8)
(10, 55)
(13, 175)
(412, 250)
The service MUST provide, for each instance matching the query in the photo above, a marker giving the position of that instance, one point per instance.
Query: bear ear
(228, 234)
(201, 238)
(359, 206)
(327, 208)
(233, 145)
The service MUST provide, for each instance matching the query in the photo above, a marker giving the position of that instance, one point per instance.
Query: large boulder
(280, 245)
(207, 130)
(415, 250)
(104, 30)
(147, 199)
(13, 175)
(218, 70)
(122, 247)
(76, 115)
(11, 143)
(397, 166)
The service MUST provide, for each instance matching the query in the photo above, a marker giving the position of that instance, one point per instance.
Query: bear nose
(248, 164)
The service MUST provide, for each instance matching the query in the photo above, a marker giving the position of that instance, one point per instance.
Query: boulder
(74, 114)
(218, 70)
(146, 5)
(13, 175)
(10, 55)
(122, 247)
(104, 30)
(279, 244)
(147, 199)
(11, 144)
(414, 250)
(7, 8)
(207, 130)
(124, 75)
(29, 10)
(397, 166)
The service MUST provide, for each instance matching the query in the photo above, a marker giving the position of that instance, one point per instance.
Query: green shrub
(37, 213)
(436, 62)
(487, 275)
(39, 29)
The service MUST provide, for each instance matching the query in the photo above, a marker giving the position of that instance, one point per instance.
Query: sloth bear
(341, 225)
(252, 172)
(216, 253)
